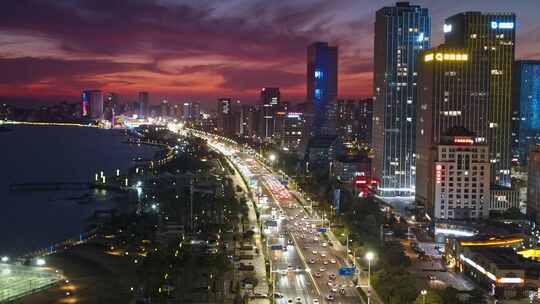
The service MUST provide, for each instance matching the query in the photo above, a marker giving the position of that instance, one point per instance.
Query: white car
(323, 255)
(324, 244)
(333, 261)
(322, 269)
(314, 252)
(325, 262)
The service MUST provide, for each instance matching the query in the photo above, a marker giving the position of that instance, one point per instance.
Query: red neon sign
(462, 140)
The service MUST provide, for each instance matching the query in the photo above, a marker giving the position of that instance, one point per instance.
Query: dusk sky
(201, 50)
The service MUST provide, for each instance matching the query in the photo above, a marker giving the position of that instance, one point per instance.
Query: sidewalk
(258, 261)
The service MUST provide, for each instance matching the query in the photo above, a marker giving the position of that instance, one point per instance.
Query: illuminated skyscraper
(402, 32)
(526, 107)
(228, 117)
(322, 78)
(270, 100)
(446, 99)
(92, 104)
(143, 104)
(533, 182)
(490, 42)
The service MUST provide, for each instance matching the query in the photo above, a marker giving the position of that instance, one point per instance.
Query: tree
(394, 256)
(476, 296)
(431, 297)
(449, 295)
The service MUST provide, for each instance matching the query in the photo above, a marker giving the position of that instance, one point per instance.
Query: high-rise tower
(402, 32)
(490, 41)
(322, 77)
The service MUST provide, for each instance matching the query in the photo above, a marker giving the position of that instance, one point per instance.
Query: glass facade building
(489, 38)
(322, 77)
(92, 104)
(402, 32)
(526, 108)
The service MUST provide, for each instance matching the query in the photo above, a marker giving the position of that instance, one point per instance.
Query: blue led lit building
(402, 32)
(92, 104)
(322, 77)
(526, 108)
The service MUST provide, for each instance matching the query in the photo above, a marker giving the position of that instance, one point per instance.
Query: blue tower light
(318, 93)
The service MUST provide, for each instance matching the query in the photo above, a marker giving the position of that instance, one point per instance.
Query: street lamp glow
(5, 259)
(40, 262)
(423, 292)
(272, 157)
(369, 256)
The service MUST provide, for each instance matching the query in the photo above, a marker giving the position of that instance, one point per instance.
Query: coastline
(99, 199)
(94, 270)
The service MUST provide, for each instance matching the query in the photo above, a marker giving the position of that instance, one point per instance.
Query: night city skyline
(177, 51)
(270, 152)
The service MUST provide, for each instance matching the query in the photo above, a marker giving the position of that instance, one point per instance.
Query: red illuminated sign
(463, 140)
(438, 173)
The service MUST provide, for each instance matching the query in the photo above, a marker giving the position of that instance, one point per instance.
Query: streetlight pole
(369, 257)
(347, 247)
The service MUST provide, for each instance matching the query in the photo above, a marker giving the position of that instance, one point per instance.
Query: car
(324, 244)
(325, 262)
(312, 261)
(333, 261)
(330, 297)
(290, 268)
(290, 301)
(342, 291)
(298, 300)
(334, 290)
(323, 255)
(316, 239)
(330, 284)
(314, 252)
(278, 295)
(258, 295)
(317, 274)
(332, 276)
(322, 269)
(315, 301)
(330, 244)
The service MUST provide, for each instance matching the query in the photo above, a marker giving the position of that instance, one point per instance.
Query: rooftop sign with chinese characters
(502, 25)
(445, 57)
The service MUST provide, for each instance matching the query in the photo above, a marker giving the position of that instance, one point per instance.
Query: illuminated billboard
(445, 57)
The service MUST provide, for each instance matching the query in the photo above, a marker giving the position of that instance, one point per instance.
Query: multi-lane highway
(304, 261)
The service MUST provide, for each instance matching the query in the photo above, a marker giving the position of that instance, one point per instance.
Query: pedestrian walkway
(258, 261)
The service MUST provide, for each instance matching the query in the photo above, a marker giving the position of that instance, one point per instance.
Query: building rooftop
(503, 258)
